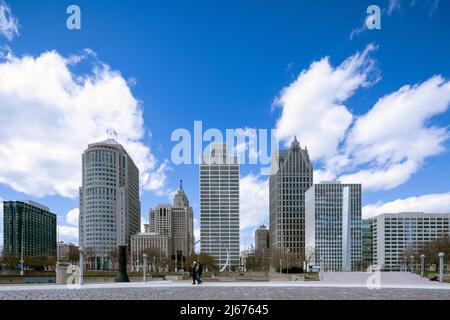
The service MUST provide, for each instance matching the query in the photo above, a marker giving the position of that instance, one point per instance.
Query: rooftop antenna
(111, 134)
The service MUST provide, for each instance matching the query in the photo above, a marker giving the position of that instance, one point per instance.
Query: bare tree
(310, 256)
(114, 257)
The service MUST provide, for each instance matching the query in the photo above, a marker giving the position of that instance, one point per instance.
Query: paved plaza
(339, 286)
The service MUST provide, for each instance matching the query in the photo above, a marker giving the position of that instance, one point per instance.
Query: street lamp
(412, 264)
(287, 261)
(281, 265)
(422, 264)
(145, 267)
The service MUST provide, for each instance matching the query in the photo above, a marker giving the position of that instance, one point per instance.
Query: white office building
(393, 233)
(109, 201)
(219, 205)
(333, 225)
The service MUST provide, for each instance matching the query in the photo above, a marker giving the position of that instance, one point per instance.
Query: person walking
(194, 271)
(199, 271)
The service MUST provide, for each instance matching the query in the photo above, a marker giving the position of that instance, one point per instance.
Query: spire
(181, 184)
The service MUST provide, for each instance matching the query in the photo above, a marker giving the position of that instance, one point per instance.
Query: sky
(372, 106)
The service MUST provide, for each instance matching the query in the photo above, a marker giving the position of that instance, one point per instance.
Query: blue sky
(229, 64)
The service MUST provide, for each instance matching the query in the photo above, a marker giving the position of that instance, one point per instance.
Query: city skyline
(263, 75)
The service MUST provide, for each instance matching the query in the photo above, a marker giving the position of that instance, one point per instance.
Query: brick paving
(226, 293)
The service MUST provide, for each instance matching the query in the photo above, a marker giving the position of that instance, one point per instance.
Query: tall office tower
(182, 225)
(160, 220)
(29, 229)
(261, 238)
(333, 225)
(292, 175)
(367, 243)
(109, 201)
(219, 205)
(394, 233)
(262, 246)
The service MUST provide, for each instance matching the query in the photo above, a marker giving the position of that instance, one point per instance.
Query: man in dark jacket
(194, 271)
(199, 271)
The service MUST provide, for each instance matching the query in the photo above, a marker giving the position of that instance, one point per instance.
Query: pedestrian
(199, 271)
(194, 271)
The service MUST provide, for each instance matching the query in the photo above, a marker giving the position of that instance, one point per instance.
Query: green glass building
(367, 243)
(28, 226)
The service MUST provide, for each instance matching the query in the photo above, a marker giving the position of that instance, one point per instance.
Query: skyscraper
(182, 225)
(261, 238)
(219, 205)
(109, 201)
(170, 230)
(292, 175)
(29, 229)
(333, 225)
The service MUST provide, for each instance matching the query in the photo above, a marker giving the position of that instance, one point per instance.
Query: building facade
(367, 243)
(393, 233)
(291, 176)
(109, 201)
(219, 206)
(29, 229)
(157, 245)
(64, 250)
(170, 231)
(262, 249)
(333, 225)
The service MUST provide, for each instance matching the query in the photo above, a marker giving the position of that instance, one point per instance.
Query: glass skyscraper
(29, 229)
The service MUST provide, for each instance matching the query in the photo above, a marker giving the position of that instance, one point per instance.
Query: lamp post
(422, 265)
(321, 269)
(80, 281)
(441, 267)
(145, 267)
(281, 265)
(412, 264)
(287, 261)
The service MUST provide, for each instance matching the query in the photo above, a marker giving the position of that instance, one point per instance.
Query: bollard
(145, 267)
(422, 265)
(441, 267)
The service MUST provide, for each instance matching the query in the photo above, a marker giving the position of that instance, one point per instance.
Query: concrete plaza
(336, 286)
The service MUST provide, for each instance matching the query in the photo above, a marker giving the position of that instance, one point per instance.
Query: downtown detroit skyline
(370, 105)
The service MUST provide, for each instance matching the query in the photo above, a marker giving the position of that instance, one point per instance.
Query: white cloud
(9, 25)
(394, 137)
(72, 216)
(56, 113)
(144, 221)
(394, 5)
(68, 234)
(431, 203)
(381, 149)
(313, 105)
(254, 201)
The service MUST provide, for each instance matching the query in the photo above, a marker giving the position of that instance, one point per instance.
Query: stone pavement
(336, 286)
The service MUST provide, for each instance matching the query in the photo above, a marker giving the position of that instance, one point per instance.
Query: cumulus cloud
(9, 25)
(394, 137)
(402, 5)
(72, 217)
(54, 112)
(381, 149)
(430, 203)
(313, 105)
(254, 201)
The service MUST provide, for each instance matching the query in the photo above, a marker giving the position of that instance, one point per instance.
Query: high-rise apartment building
(219, 205)
(160, 220)
(333, 225)
(29, 229)
(109, 201)
(292, 175)
(394, 233)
